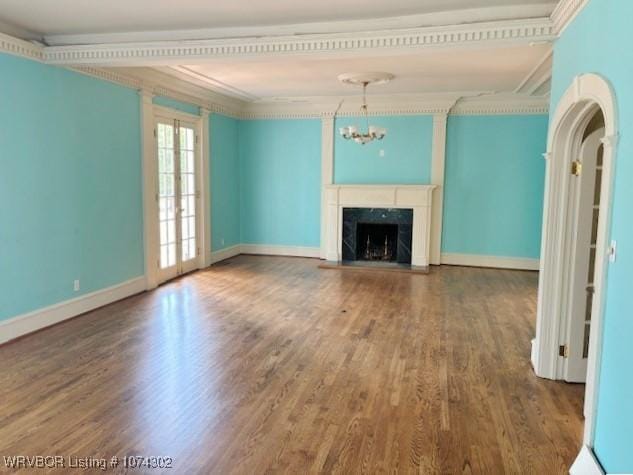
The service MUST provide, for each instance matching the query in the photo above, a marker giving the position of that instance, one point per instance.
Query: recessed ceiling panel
(430, 71)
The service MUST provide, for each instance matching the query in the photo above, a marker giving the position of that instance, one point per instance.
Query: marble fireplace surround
(415, 197)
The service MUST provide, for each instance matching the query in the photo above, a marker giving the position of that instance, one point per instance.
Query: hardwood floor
(270, 365)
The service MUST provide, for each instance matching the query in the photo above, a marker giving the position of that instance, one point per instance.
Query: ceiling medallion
(372, 132)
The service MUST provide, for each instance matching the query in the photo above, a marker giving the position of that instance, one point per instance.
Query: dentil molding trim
(501, 104)
(192, 51)
(17, 47)
(404, 104)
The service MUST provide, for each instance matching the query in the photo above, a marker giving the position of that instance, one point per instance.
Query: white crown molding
(349, 106)
(110, 75)
(565, 12)
(501, 104)
(165, 84)
(17, 47)
(400, 104)
(452, 17)
(194, 51)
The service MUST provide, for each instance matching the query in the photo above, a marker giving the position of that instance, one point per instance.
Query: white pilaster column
(205, 181)
(437, 178)
(327, 171)
(150, 190)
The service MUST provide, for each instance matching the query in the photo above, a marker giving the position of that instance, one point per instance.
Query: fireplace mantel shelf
(416, 197)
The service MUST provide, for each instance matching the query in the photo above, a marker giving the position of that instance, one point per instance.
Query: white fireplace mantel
(415, 197)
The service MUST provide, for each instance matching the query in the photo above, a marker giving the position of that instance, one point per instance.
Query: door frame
(587, 94)
(149, 114)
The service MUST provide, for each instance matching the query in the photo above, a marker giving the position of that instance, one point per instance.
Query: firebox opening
(377, 242)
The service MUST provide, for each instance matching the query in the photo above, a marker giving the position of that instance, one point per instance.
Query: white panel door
(587, 196)
(188, 200)
(177, 198)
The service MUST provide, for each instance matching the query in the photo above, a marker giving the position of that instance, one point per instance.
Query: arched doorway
(588, 100)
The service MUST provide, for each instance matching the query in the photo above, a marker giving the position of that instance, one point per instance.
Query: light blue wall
(176, 105)
(70, 185)
(407, 146)
(599, 41)
(225, 182)
(280, 170)
(493, 198)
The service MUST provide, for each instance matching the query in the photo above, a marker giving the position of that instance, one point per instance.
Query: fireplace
(376, 242)
(379, 235)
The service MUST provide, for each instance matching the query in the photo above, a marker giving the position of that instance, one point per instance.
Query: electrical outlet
(381, 153)
(222, 241)
(76, 286)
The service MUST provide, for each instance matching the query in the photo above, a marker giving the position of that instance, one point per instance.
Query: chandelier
(371, 132)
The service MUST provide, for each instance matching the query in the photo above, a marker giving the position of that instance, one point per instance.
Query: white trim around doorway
(150, 112)
(587, 94)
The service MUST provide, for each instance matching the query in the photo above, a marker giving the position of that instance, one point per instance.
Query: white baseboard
(47, 316)
(533, 353)
(315, 252)
(264, 250)
(474, 260)
(586, 463)
(222, 254)
(269, 250)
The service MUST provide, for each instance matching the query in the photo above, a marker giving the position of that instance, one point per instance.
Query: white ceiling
(70, 17)
(433, 71)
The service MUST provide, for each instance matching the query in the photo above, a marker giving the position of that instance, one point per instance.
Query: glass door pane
(188, 190)
(166, 195)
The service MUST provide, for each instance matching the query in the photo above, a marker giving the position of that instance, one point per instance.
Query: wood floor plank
(272, 365)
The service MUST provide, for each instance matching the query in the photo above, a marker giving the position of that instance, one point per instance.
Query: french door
(586, 191)
(178, 198)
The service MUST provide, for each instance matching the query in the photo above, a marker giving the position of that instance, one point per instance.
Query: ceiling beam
(324, 45)
(435, 19)
(538, 76)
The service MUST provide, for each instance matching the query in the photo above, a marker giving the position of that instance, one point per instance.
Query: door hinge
(198, 251)
(197, 139)
(576, 168)
(154, 133)
(563, 350)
